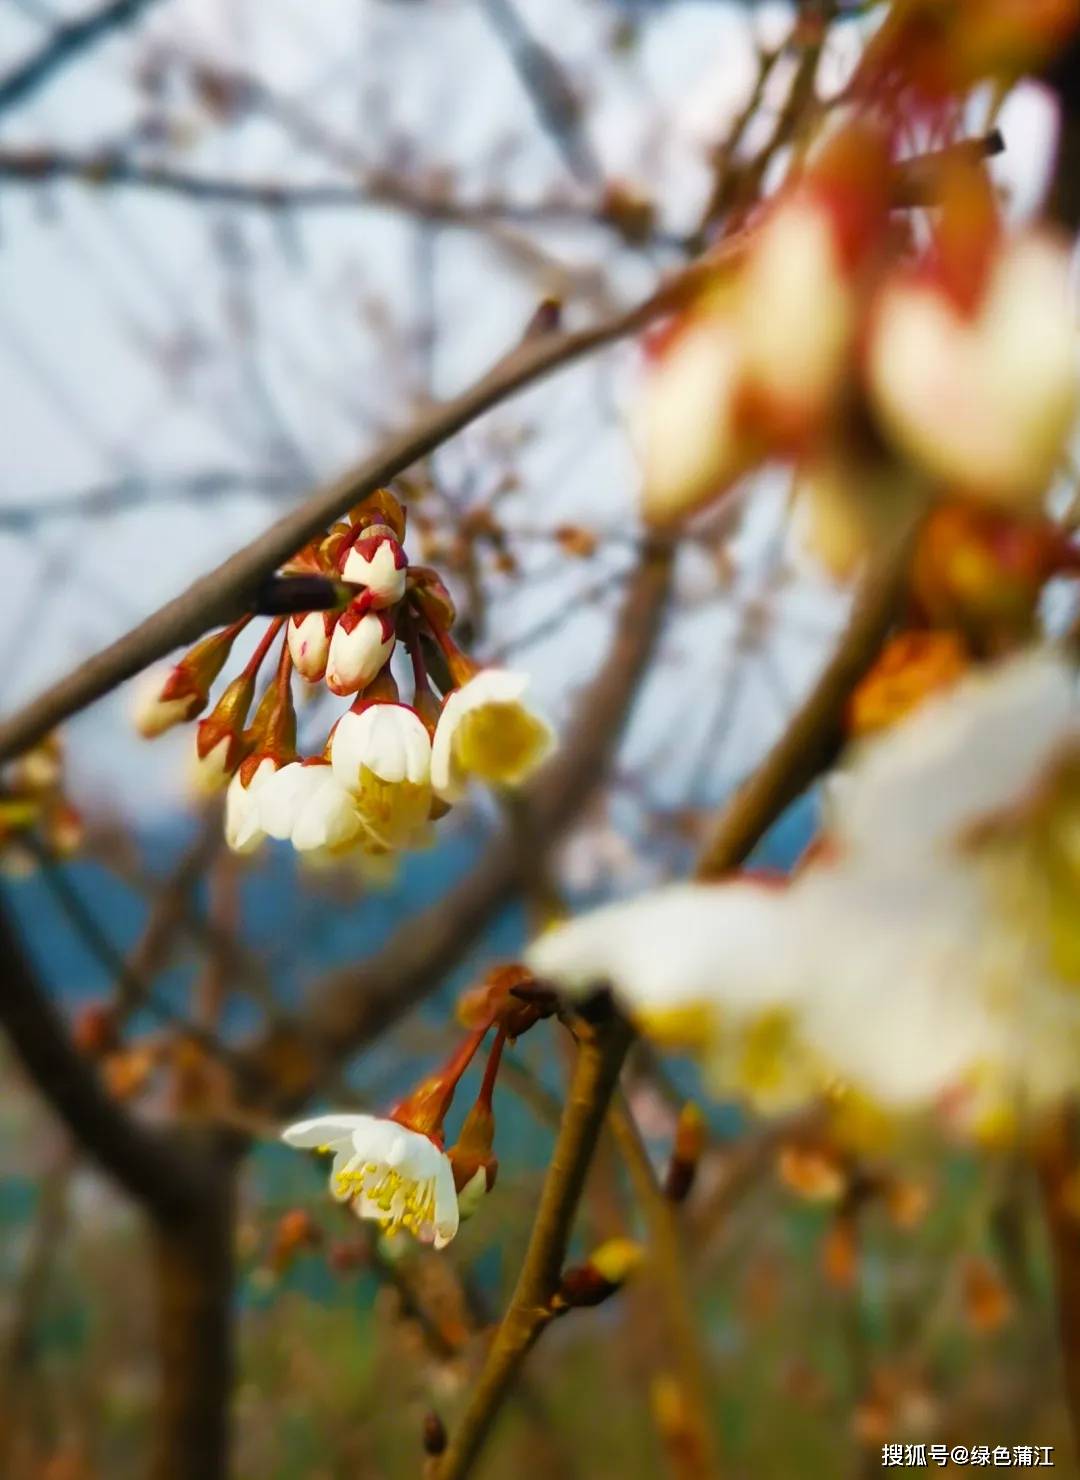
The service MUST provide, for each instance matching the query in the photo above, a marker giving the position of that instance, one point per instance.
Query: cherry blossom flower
(930, 958)
(305, 804)
(485, 731)
(388, 1173)
(381, 753)
(983, 398)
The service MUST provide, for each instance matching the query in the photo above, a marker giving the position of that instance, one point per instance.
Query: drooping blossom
(309, 643)
(361, 646)
(390, 1174)
(981, 395)
(244, 831)
(929, 958)
(485, 731)
(305, 804)
(380, 753)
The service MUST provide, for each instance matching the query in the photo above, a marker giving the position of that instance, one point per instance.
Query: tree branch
(65, 44)
(668, 1267)
(601, 1052)
(813, 735)
(224, 592)
(145, 1162)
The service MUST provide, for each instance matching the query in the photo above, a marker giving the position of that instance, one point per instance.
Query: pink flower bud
(360, 647)
(309, 643)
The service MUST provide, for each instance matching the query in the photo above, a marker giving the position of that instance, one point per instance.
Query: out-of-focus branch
(668, 1268)
(224, 592)
(1058, 1158)
(193, 1288)
(554, 99)
(812, 736)
(1063, 75)
(148, 1164)
(19, 1348)
(67, 42)
(601, 1051)
(100, 500)
(351, 1006)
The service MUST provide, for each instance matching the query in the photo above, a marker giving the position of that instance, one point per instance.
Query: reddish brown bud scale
(690, 1137)
(381, 507)
(433, 1434)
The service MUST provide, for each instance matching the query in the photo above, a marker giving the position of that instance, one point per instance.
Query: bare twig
(600, 1055)
(67, 42)
(554, 99)
(810, 740)
(668, 1268)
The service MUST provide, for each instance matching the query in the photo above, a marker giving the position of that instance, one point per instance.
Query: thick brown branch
(349, 1007)
(600, 1056)
(144, 1161)
(193, 1274)
(1058, 1160)
(811, 738)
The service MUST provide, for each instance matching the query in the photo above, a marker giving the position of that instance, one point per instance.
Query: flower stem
(255, 662)
(491, 1069)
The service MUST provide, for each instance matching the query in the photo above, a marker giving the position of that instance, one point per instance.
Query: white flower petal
(960, 757)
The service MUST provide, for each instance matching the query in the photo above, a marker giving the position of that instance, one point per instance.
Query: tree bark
(194, 1279)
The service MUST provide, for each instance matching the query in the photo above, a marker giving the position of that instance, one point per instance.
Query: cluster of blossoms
(387, 768)
(33, 805)
(395, 1169)
(926, 955)
(888, 360)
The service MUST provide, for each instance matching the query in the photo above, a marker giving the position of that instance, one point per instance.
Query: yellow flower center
(499, 743)
(402, 1201)
(393, 811)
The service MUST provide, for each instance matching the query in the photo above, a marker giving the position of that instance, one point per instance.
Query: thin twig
(67, 42)
(600, 1056)
(668, 1267)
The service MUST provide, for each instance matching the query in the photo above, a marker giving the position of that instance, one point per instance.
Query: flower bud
(362, 643)
(378, 563)
(981, 397)
(180, 693)
(309, 643)
(910, 668)
(605, 1271)
(219, 741)
(690, 1135)
(381, 507)
(434, 1434)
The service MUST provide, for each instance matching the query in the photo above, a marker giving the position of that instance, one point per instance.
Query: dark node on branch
(598, 1007)
(546, 319)
(433, 1433)
(280, 596)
